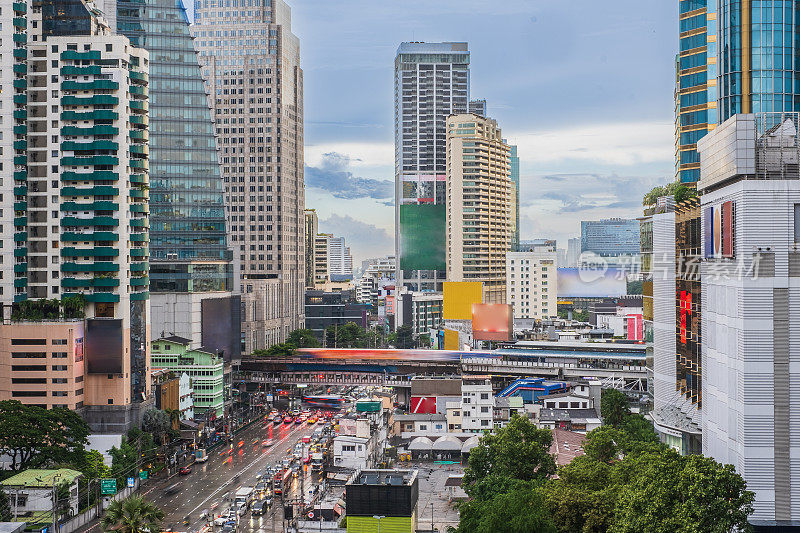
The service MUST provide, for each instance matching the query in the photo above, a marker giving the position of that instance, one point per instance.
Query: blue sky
(585, 88)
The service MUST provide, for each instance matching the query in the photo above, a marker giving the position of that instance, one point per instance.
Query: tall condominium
(750, 231)
(431, 82)
(76, 329)
(477, 107)
(735, 56)
(312, 228)
(340, 262)
(532, 283)
(513, 158)
(322, 274)
(480, 204)
(251, 64)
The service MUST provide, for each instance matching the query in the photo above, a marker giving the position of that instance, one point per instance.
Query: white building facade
(477, 404)
(751, 307)
(531, 283)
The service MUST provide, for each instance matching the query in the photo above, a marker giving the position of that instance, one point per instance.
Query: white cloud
(625, 144)
(371, 155)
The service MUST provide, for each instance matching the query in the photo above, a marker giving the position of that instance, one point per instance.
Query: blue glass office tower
(188, 247)
(734, 56)
(696, 84)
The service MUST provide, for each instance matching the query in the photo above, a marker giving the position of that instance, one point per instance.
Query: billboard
(221, 326)
(451, 340)
(591, 282)
(718, 230)
(422, 237)
(492, 322)
(423, 405)
(458, 299)
(103, 346)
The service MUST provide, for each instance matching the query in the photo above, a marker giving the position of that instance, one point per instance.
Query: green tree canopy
(518, 510)
(32, 436)
(348, 335)
(614, 406)
(303, 338)
(404, 338)
(132, 515)
(517, 452)
(156, 422)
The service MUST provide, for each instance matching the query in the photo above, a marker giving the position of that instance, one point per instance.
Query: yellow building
(480, 204)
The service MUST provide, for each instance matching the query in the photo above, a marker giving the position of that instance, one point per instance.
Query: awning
(470, 443)
(421, 444)
(447, 443)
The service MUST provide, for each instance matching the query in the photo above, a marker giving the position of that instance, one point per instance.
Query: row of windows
(693, 41)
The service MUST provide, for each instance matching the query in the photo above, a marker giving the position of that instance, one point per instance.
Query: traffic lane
(224, 473)
(271, 520)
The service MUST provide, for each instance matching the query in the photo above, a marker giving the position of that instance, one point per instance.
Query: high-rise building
(696, 83)
(190, 262)
(431, 83)
(750, 231)
(188, 245)
(340, 262)
(477, 107)
(532, 283)
(735, 56)
(76, 153)
(322, 273)
(513, 158)
(312, 228)
(480, 204)
(251, 63)
(611, 237)
(573, 252)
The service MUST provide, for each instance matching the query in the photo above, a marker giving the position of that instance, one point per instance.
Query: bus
(331, 401)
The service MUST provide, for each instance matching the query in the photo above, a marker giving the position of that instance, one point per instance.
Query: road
(210, 483)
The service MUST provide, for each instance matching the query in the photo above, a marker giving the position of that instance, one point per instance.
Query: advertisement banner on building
(492, 322)
(423, 405)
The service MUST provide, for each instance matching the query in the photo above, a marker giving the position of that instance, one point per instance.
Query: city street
(210, 483)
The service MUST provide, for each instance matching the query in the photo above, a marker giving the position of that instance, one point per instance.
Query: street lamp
(378, 518)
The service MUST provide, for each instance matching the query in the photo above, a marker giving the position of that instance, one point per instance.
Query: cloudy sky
(584, 88)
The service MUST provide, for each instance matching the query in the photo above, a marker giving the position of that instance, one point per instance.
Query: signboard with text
(108, 486)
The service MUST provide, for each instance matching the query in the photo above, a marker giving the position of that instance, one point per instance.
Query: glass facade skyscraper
(696, 84)
(734, 56)
(188, 246)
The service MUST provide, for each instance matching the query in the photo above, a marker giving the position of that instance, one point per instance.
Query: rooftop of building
(568, 415)
(393, 477)
(420, 417)
(567, 445)
(36, 478)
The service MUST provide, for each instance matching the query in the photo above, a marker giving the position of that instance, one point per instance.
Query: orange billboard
(458, 299)
(492, 322)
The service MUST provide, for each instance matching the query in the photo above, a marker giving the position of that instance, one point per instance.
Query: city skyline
(349, 148)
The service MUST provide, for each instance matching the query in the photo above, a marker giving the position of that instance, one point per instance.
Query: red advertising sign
(423, 405)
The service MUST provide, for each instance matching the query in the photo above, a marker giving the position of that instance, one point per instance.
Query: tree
(614, 406)
(32, 436)
(347, 335)
(519, 451)
(425, 340)
(174, 418)
(134, 451)
(132, 515)
(156, 422)
(303, 338)
(520, 510)
(404, 338)
(694, 494)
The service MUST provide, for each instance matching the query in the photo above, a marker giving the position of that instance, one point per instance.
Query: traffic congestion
(244, 486)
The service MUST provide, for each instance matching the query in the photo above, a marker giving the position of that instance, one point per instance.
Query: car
(241, 509)
(267, 443)
(185, 470)
(229, 527)
(259, 507)
(224, 517)
(288, 420)
(306, 439)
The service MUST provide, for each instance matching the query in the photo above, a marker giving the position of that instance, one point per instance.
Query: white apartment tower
(531, 284)
(431, 83)
(340, 262)
(251, 63)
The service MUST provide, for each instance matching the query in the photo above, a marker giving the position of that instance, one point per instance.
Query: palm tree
(174, 417)
(132, 515)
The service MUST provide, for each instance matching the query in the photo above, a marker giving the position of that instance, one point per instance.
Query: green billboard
(108, 486)
(422, 237)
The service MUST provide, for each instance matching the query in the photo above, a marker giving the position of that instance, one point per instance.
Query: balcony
(75, 146)
(71, 236)
(97, 190)
(94, 221)
(90, 131)
(97, 251)
(97, 99)
(97, 175)
(20, 38)
(92, 161)
(89, 55)
(98, 114)
(19, 22)
(92, 206)
(70, 85)
(100, 266)
(70, 70)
